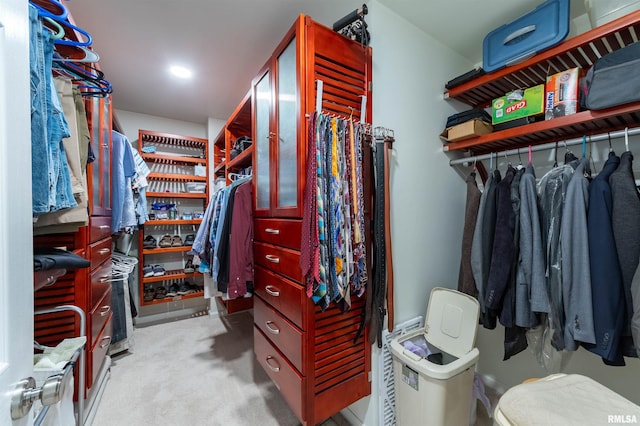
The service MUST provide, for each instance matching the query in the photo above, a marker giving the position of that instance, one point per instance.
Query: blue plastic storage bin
(519, 40)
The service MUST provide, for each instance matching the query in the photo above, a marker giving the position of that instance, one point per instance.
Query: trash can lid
(452, 321)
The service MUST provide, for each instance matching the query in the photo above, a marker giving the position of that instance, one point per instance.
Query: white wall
(428, 199)
(410, 69)
(131, 122)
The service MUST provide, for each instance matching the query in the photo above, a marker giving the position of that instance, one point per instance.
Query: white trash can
(436, 390)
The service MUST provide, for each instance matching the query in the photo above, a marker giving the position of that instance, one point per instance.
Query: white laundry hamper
(564, 399)
(430, 392)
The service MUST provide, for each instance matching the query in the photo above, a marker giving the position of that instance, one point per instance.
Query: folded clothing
(59, 356)
(53, 258)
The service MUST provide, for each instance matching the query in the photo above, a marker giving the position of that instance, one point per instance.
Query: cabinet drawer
(278, 259)
(286, 378)
(98, 352)
(99, 227)
(99, 251)
(283, 295)
(100, 283)
(281, 232)
(284, 335)
(99, 315)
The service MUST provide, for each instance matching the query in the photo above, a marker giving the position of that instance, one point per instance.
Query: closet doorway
(16, 261)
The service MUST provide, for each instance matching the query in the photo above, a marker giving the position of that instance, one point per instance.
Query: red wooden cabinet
(309, 354)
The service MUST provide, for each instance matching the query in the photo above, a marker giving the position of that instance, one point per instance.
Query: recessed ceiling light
(180, 72)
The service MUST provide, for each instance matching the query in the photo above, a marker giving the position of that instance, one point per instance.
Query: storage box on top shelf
(518, 104)
(562, 94)
(602, 11)
(468, 129)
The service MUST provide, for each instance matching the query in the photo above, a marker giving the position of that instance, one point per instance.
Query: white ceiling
(226, 42)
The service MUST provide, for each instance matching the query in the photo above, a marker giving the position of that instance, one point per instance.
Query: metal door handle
(272, 231)
(276, 368)
(271, 330)
(26, 393)
(275, 292)
(104, 227)
(104, 251)
(272, 258)
(108, 339)
(105, 310)
(105, 278)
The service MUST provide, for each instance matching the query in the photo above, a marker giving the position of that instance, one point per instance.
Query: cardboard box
(518, 104)
(468, 129)
(562, 94)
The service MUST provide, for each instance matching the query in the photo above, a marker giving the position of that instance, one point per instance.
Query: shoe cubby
(176, 196)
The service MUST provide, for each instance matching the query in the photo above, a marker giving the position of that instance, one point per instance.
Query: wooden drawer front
(99, 315)
(100, 251)
(98, 352)
(99, 227)
(100, 283)
(283, 295)
(281, 260)
(285, 377)
(281, 232)
(284, 335)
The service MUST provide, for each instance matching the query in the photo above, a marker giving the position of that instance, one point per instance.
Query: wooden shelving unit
(580, 51)
(172, 167)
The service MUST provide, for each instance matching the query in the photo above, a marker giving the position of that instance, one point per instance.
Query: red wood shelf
(162, 158)
(176, 195)
(170, 275)
(174, 298)
(166, 250)
(242, 160)
(580, 51)
(178, 177)
(163, 222)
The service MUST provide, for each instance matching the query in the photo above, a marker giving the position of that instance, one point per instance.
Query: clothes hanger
(88, 39)
(50, 8)
(584, 146)
(530, 155)
(59, 30)
(555, 153)
(609, 137)
(66, 53)
(568, 155)
(626, 138)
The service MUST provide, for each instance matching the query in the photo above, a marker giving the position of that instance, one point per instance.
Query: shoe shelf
(177, 177)
(168, 222)
(160, 250)
(580, 51)
(177, 195)
(171, 275)
(173, 159)
(168, 299)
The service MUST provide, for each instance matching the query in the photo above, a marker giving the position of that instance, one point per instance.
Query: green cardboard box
(518, 104)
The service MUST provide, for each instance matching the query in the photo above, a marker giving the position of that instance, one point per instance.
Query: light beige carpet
(196, 371)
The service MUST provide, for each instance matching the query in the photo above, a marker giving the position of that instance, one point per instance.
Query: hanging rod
(550, 145)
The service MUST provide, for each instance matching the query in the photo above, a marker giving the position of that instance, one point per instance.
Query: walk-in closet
(325, 213)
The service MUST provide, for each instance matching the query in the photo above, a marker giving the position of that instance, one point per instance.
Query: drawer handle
(105, 310)
(269, 358)
(104, 251)
(108, 341)
(104, 227)
(272, 258)
(270, 329)
(105, 278)
(275, 292)
(272, 231)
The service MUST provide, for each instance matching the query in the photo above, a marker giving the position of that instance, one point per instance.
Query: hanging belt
(388, 145)
(377, 302)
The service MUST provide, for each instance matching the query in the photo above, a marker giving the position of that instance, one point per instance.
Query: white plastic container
(434, 393)
(603, 11)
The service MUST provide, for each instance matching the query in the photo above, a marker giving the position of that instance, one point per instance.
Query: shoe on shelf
(158, 270)
(149, 292)
(188, 267)
(189, 239)
(161, 292)
(176, 241)
(165, 241)
(186, 288)
(147, 271)
(149, 242)
(173, 290)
